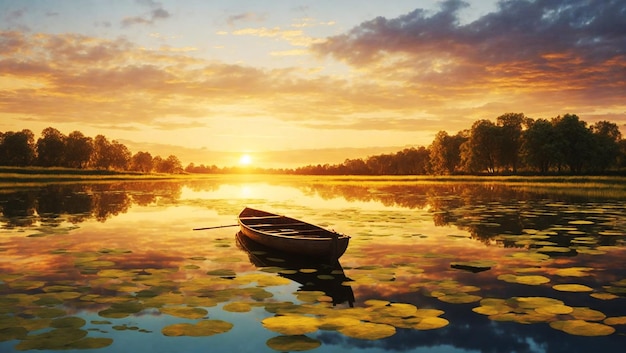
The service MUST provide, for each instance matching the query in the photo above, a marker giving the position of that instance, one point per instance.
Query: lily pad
(572, 288)
(202, 328)
(68, 322)
(59, 338)
(574, 272)
(297, 343)
(368, 331)
(431, 323)
(291, 324)
(582, 328)
(237, 307)
(615, 320)
(185, 312)
(531, 280)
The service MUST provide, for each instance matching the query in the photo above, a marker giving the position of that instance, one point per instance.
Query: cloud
(294, 37)
(539, 47)
(245, 17)
(157, 12)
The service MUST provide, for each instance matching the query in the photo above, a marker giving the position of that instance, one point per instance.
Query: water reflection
(122, 257)
(312, 276)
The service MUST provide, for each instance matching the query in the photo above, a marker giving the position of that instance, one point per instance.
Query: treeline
(54, 149)
(513, 144)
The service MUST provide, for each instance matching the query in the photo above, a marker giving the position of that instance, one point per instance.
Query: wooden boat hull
(290, 235)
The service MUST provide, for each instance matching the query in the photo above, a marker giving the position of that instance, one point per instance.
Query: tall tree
(120, 156)
(51, 148)
(78, 150)
(17, 148)
(480, 151)
(142, 162)
(101, 157)
(575, 141)
(540, 147)
(606, 138)
(510, 139)
(445, 152)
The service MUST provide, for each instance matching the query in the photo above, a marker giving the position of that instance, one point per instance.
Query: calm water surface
(439, 267)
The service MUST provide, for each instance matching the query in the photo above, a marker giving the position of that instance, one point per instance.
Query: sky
(293, 83)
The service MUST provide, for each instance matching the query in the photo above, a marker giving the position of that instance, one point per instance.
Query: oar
(226, 226)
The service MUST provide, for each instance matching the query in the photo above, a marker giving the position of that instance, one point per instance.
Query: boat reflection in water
(326, 277)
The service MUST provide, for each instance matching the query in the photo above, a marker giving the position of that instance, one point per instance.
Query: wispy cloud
(156, 13)
(245, 17)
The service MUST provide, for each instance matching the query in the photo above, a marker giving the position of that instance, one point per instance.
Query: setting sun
(245, 159)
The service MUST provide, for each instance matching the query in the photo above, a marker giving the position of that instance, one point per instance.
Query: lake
(431, 267)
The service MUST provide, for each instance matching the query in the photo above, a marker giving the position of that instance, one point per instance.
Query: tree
(510, 139)
(445, 152)
(170, 165)
(413, 161)
(101, 156)
(380, 164)
(17, 148)
(575, 141)
(120, 156)
(142, 162)
(540, 147)
(78, 150)
(51, 148)
(480, 151)
(606, 138)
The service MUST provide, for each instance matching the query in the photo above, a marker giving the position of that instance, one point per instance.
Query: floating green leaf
(68, 322)
(60, 338)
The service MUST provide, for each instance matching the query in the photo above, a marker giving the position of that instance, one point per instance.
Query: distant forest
(53, 149)
(514, 144)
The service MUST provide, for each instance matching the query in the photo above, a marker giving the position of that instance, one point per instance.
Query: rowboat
(328, 277)
(290, 235)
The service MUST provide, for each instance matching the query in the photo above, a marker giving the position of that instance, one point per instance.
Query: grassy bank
(37, 175)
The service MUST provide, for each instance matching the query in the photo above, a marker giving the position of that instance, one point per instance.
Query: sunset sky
(300, 82)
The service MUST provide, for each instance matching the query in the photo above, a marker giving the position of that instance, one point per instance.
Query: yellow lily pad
(604, 296)
(431, 323)
(615, 320)
(572, 288)
(531, 280)
(555, 309)
(584, 313)
(574, 272)
(237, 307)
(582, 328)
(292, 324)
(202, 328)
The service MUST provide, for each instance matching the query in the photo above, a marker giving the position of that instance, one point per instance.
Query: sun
(245, 159)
